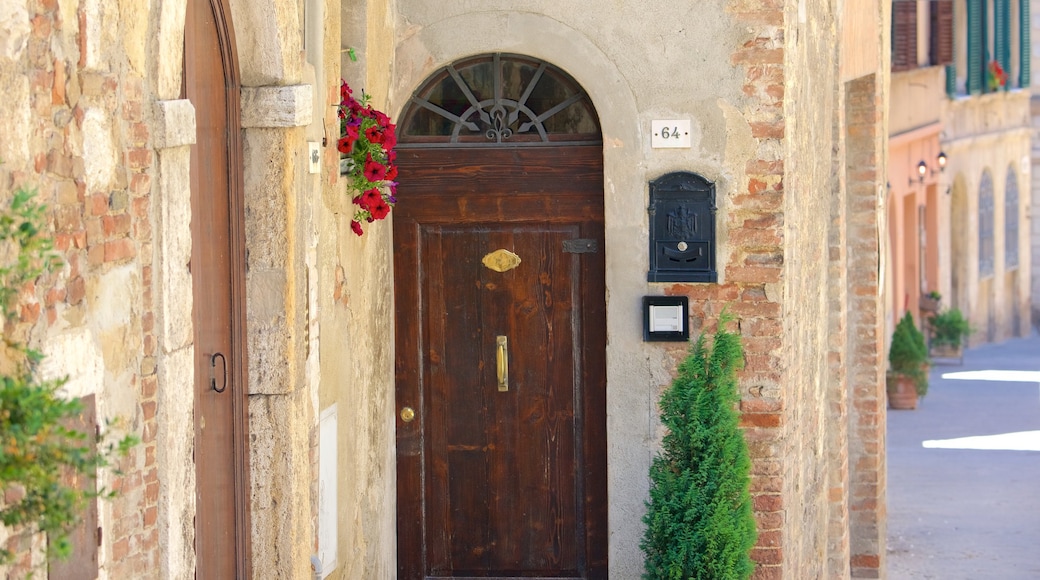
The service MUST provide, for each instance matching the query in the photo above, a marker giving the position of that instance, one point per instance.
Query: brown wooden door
(217, 259)
(501, 483)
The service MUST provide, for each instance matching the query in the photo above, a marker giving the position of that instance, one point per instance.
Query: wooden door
(217, 268)
(501, 480)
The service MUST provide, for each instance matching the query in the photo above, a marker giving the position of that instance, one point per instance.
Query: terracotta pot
(929, 304)
(947, 351)
(902, 393)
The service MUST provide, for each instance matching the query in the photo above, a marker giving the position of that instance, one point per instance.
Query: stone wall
(77, 113)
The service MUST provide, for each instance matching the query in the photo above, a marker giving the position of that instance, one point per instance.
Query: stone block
(270, 107)
(174, 124)
(174, 240)
(175, 438)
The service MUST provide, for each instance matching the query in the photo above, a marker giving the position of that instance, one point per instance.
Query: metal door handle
(223, 375)
(502, 360)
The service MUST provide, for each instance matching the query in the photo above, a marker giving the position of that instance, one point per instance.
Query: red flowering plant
(366, 144)
(997, 78)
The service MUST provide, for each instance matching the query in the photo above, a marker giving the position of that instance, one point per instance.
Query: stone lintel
(174, 124)
(279, 106)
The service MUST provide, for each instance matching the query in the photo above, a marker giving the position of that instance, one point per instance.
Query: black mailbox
(682, 229)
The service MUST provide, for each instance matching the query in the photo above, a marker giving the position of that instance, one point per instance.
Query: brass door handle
(502, 363)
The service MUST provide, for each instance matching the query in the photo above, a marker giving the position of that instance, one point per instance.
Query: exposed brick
(767, 502)
(767, 556)
(119, 250)
(138, 159)
(115, 225)
(761, 420)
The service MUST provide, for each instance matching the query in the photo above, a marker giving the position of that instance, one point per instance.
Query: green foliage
(699, 519)
(908, 354)
(949, 328)
(37, 448)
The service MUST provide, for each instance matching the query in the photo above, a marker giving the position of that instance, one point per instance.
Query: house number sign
(670, 133)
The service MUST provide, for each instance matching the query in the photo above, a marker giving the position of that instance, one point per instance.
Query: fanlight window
(499, 100)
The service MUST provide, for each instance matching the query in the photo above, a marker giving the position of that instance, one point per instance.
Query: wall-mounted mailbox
(682, 229)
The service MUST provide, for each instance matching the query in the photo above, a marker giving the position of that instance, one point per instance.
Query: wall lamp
(922, 170)
(941, 160)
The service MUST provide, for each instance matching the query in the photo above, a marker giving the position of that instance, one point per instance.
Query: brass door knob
(407, 414)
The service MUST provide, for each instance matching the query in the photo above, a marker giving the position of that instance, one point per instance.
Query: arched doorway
(211, 82)
(501, 330)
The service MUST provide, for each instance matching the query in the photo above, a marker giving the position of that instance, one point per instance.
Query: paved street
(968, 508)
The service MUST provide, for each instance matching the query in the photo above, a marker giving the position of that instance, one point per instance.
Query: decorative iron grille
(499, 99)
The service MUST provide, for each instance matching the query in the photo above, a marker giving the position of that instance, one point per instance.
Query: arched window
(986, 250)
(499, 100)
(1011, 220)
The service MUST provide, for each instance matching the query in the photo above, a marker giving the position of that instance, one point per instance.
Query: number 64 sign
(670, 133)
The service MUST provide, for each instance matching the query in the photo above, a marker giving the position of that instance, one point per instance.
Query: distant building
(958, 226)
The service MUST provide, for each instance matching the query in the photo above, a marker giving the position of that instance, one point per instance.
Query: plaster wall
(989, 132)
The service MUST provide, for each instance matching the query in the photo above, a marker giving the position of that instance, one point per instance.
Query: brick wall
(863, 109)
(86, 137)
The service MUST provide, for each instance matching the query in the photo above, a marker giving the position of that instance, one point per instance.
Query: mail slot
(682, 229)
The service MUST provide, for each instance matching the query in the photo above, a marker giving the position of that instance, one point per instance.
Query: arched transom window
(986, 250)
(499, 100)
(1011, 220)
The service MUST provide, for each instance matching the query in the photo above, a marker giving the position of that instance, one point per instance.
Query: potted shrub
(699, 518)
(907, 377)
(949, 329)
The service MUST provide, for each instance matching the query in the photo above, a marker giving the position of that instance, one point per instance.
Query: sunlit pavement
(964, 470)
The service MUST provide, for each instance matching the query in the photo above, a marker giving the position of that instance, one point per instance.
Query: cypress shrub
(699, 519)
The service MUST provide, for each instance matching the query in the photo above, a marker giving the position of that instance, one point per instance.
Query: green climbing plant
(699, 519)
(37, 448)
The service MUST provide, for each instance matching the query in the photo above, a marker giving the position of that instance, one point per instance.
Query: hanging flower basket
(366, 144)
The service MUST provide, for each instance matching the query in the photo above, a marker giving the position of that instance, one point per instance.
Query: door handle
(213, 373)
(502, 363)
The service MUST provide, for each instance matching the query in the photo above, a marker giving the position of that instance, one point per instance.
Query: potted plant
(930, 301)
(949, 329)
(907, 377)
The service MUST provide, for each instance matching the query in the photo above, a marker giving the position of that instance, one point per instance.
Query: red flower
(391, 172)
(379, 210)
(344, 144)
(371, 197)
(390, 137)
(355, 226)
(374, 171)
(373, 134)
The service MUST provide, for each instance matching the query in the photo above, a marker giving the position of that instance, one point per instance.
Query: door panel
(500, 483)
(221, 526)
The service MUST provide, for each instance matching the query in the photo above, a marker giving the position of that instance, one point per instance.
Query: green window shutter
(1002, 34)
(976, 72)
(951, 80)
(1025, 45)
